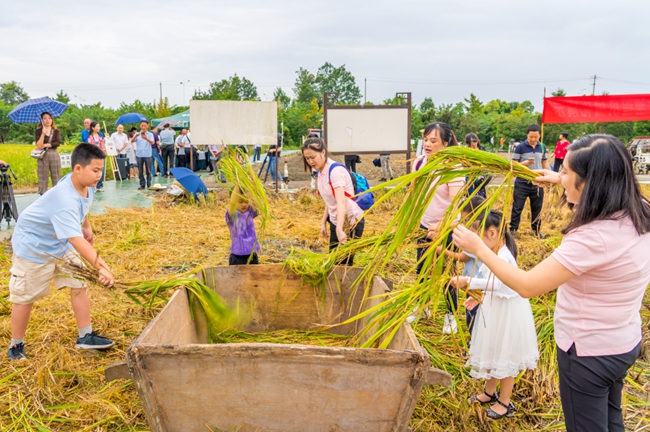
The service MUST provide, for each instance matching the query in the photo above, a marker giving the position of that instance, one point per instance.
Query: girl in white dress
(504, 339)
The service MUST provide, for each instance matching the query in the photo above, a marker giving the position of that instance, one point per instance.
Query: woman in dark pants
(335, 186)
(602, 269)
(48, 139)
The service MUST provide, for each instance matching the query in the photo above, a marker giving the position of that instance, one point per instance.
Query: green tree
(473, 105)
(304, 89)
(12, 93)
(337, 79)
(283, 100)
(62, 97)
(162, 109)
(559, 92)
(233, 88)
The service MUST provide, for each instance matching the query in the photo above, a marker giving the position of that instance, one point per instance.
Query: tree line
(304, 110)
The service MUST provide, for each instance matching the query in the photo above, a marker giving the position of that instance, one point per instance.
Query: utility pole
(365, 85)
(161, 91)
(593, 88)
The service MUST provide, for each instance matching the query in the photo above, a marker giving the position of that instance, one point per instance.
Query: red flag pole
(542, 134)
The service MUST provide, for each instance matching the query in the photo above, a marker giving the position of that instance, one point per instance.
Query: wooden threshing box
(186, 384)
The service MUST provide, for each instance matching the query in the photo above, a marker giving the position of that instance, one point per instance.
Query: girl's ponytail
(511, 244)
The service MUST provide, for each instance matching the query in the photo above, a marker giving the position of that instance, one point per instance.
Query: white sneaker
(415, 315)
(450, 324)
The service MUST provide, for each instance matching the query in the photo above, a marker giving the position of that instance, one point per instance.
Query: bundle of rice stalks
(149, 294)
(403, 230)
(250, 186)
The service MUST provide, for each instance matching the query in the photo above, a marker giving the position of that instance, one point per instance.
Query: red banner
(592, 109)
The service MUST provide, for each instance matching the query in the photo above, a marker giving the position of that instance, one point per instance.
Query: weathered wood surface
(117, 370)
(185, 385)
(277, 388)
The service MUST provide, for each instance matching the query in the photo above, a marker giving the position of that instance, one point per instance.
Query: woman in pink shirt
(436, 137)
(336, 188)
(560, 151)
(602, 269)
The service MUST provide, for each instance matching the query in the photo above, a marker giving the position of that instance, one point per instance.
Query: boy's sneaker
(450, 324)
(17, 352)
(93, 341)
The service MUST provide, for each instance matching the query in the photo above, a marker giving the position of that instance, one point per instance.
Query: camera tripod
(9, 209)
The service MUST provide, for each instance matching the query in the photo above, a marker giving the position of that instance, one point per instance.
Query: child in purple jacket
(244, 244)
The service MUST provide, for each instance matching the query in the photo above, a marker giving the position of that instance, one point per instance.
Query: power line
(473, 82)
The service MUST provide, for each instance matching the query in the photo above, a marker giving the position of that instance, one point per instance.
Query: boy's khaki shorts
(30, 281)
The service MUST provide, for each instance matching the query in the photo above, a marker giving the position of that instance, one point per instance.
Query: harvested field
(63, 389)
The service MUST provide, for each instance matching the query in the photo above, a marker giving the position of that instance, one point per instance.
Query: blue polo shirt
(43, 228)
(525, 151)
(142, 146)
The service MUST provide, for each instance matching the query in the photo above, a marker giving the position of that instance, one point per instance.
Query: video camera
(8, 209)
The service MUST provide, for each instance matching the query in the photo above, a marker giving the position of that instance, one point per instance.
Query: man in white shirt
(182, 143)
(120, 140)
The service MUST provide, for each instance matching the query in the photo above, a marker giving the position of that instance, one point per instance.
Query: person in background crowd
(216, 153)
(167, 136)
(501, 142)
(96, 138)
(155, 154)
(351, 161)
(386, 170)
(530, 153)
(513, 144)
(472, 141)
(182, 142)
(143, 142)
(130, 153)
(48, 138)
(86, 131)
(257, 151)
(560, 151)
(121, 141)
(274, 154)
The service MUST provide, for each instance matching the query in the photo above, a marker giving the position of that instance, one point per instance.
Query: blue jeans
(155, 157)
(256, 153)
(101, 180)
(272, 169)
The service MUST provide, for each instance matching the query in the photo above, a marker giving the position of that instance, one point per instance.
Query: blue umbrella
(190, 181)
(30, 111)
(130, 118)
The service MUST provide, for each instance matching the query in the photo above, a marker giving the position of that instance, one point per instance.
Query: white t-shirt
(119, 139)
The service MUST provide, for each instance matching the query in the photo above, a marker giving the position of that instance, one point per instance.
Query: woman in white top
(336, 188)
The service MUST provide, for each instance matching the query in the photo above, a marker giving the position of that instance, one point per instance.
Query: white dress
(504, 339)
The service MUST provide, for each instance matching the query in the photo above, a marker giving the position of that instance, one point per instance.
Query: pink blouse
(441, 201)
(598, 310)
(99, 142)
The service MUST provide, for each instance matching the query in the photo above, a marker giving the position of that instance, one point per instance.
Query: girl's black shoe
(510, 411)
(493, 399)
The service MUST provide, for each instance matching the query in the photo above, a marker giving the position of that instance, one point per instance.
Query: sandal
(510, 411)
(493, 398)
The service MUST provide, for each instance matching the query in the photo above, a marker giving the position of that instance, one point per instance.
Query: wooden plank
(173, 325)
(117, 370)
(437, 377)
(275, 388)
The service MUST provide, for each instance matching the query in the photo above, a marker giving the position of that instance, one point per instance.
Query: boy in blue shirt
(56, 226)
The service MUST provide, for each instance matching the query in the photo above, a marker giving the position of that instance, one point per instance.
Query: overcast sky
(118, 50)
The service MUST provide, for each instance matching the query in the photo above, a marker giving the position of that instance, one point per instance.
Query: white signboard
(110, 147)
(367, 130)
(233, 122)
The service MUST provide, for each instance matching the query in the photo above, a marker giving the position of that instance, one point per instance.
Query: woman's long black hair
(444, 132)
(604, 169)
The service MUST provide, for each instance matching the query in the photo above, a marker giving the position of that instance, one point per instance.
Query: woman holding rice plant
(335, 186)
(602, 269)
(438, 136)
(504, 337)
